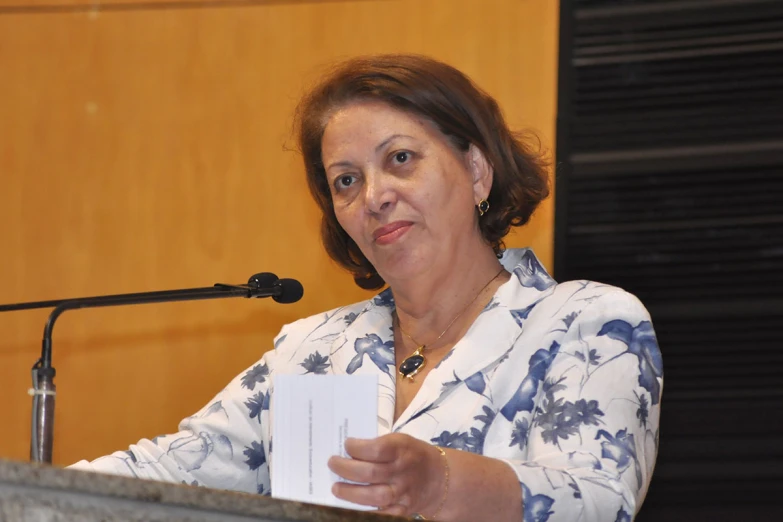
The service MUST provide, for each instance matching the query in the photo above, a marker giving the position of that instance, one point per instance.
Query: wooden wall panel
(100, 5)
(147, 149)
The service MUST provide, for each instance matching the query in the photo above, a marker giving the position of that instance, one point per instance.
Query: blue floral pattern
(520, 433)
(561, 381)
(255, 405)
(620, 448)
(381, 353)
(531, 274)
(523, 399)
(560, 419)
(537, 508)
(642, 343)
(384, 299)
(622, 516)
(521, 314)
(350, 318)
(255, 375)
(315, 363)
(255, 456)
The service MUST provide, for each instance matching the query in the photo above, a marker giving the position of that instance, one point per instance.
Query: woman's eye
(345, 181)
(402, 156)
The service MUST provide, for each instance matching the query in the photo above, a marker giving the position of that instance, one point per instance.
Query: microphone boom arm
(219, 291)
(44, 391)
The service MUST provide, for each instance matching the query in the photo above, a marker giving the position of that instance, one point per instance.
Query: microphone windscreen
(290, 291)
(262, 280)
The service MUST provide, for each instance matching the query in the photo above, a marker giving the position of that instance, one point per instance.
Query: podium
(38, 493)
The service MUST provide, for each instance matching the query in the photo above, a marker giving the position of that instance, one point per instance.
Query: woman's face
(401, 190)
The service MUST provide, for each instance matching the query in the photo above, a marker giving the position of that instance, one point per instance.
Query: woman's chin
(402, 268)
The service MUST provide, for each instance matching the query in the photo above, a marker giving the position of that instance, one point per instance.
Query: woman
(503, 395)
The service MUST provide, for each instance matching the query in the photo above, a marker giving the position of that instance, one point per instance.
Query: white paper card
(312, 415)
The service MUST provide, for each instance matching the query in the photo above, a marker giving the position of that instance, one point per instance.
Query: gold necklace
(416, 361)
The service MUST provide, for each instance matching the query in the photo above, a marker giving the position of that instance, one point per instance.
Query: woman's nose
(380, 195)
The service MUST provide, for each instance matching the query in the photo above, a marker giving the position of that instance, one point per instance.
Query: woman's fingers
(391, 472)
(379, 495)
(382, 449)
(360, 471)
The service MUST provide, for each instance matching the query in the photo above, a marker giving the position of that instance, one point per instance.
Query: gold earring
(483, 207)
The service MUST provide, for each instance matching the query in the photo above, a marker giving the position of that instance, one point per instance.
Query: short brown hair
(460, 110)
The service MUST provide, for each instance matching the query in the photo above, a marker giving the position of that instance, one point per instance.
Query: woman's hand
(399, 474)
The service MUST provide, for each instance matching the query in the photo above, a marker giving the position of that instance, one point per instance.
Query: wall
(146, 146)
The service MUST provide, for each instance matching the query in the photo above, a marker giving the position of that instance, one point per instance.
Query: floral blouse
(561, 381)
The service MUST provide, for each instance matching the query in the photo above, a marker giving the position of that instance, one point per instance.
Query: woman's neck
(428, 304)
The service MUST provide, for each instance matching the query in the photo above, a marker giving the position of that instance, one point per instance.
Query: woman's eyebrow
(378, 148)
(338, 164)
(389, 139)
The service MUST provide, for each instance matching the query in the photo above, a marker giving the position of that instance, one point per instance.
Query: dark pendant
(413, 364)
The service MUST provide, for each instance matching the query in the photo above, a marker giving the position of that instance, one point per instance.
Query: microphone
(263, 284)
(262, 279)
(285, 291)
(290, 291)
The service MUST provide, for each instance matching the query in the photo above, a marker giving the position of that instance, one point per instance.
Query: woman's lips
(390, 233)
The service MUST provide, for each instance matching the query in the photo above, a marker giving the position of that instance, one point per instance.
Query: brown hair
(460, 110)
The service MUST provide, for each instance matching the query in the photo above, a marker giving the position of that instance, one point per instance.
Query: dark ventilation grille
(628, 105)
(716, 362)
(670, 184)
(677, 76)
(693, 196)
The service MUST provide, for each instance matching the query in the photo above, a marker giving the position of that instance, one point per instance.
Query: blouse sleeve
(220, 447)
(593, 439)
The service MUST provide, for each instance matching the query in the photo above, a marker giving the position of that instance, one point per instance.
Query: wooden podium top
(37, 493)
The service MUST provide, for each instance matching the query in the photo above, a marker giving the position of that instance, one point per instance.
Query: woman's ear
(481, 171)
